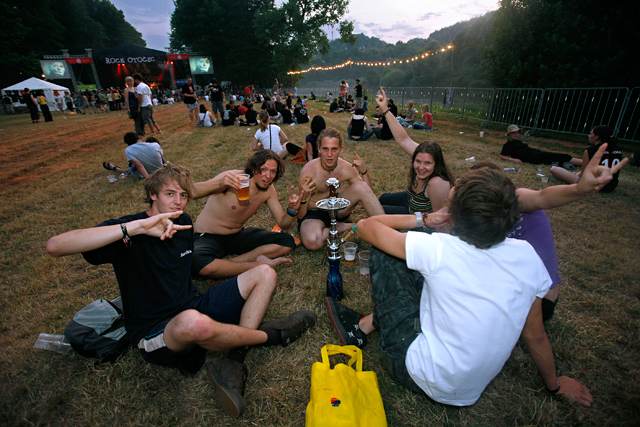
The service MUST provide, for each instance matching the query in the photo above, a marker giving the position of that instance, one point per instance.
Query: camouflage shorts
(395, 291)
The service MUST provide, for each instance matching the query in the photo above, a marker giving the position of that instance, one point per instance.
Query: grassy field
(53, 182)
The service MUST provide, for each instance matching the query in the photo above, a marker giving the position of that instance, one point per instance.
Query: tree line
(31, 29)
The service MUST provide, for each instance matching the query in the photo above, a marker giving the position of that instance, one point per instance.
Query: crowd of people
(451, 297)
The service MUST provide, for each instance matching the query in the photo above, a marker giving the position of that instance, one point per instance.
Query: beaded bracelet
(125, 235)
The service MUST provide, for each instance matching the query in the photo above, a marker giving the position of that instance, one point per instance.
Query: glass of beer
(243, 192)
(350, 249)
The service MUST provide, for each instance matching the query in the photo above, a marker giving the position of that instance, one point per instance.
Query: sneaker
(569, 166)
(347, 323)
(287, 330)
(228, 378)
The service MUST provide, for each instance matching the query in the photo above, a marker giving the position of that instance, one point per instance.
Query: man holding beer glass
(235, 196)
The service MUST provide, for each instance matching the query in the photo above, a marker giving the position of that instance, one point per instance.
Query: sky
(375, 18)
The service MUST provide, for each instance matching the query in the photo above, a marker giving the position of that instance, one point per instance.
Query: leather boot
(228, 378)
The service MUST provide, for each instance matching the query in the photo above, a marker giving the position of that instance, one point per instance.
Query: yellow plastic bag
(344, 396)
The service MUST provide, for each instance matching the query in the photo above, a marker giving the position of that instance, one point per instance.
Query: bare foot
(274, 262)
(344, 226)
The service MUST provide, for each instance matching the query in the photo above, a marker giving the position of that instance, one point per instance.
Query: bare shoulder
(309, 168)
(437, 182)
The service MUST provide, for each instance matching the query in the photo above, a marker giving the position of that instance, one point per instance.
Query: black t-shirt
(215, 94)
(188, 89)
(251, 116)
(358, 90)
(311, 138)
(357, 127)
(519, 150)
(394, 109)
(301, 115)
(385, 132)
(154, 275)
(286, 116)
(610, 158)
(333, 107)
(228, 118)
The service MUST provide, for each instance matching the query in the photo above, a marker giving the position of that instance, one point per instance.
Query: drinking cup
(350, 250)
(364, 262)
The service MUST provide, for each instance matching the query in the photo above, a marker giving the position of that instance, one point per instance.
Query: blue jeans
(367, 134)
(418, 125)
(395, 203)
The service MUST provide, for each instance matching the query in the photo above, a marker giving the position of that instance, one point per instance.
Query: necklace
(328, 170)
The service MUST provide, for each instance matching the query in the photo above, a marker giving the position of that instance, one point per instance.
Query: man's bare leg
(360, 192)
(313, 234)
(266, 254)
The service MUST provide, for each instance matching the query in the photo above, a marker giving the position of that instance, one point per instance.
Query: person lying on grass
(517, 151)
(313, 223)
(144, 157)
(166, 318)
(440, 286)
(220, 231)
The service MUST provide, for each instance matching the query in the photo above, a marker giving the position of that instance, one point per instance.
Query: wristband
(419, 220)
(556, 390)
(303, 202)
(385, 113)
(291, 213)
(125, 235)
(365, 172)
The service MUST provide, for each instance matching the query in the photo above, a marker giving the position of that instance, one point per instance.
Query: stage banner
(177, 56)
(85, 60)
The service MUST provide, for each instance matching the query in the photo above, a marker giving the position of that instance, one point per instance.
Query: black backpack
(98, 331)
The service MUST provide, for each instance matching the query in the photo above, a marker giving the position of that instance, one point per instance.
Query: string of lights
(374, 63)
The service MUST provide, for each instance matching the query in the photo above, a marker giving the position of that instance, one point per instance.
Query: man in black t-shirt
(517, 151)
(382, 130)
(191, 99)
(166, 318)
(358, 89)
(301, 114)
(216, 94)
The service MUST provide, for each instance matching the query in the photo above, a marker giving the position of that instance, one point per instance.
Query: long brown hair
(440, 170)
(264, 118)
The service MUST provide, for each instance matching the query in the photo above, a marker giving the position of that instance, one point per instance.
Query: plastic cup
(481, 134)
(545, 179)
(112, 178)
(243, 192)
(364, 262)
(350, 250)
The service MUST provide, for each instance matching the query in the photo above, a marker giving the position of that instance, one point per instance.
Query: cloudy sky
(405, 20)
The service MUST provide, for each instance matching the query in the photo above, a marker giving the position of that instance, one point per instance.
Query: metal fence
(564, 110)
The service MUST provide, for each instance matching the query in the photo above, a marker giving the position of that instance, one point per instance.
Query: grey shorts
(216, 107)
(146, 113)
(193, 106)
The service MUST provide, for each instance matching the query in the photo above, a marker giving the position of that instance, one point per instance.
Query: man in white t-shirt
(450, 316)
(145, 105)
(144, 158)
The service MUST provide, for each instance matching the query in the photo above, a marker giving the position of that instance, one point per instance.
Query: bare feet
(344, 226)
(274, 262)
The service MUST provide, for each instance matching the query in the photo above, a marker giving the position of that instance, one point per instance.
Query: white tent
(37, 84)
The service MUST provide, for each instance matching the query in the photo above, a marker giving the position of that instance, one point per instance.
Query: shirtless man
(314, 223)
(219, 229)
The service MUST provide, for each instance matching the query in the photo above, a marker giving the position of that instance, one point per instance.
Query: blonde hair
(128, 79)
(409, 104)
(425, 108)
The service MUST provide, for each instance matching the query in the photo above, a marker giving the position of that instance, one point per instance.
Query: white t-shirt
(274, 143)
(473, 307)
(207, 119)
(147, 153)
(144, 89)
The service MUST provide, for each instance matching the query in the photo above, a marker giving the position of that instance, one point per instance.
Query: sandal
(108, 166)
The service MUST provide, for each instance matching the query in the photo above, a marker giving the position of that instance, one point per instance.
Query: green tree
(257, 40)
(563, 43)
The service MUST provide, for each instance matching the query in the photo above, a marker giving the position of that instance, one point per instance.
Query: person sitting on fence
(599, 135)
(517, 151)
(358, 127)
(427, 119)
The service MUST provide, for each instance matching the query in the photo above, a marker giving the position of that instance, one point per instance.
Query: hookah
(333, 204)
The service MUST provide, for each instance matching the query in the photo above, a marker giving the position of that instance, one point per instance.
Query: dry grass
(53, 182)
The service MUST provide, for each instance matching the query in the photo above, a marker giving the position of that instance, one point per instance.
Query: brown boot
(228, 378)
(285, 331)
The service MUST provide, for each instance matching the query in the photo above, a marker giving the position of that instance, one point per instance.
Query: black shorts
(209, 247)
(323, 216)
(222, 303)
